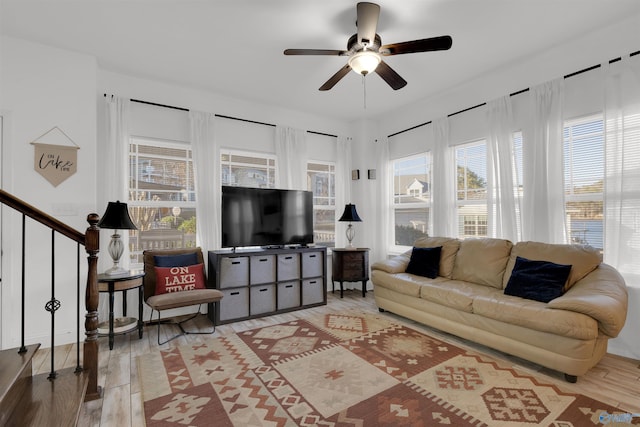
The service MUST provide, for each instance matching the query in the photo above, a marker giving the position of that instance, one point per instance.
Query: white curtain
(543, 216)
(502, 204)
(622, 163)
(206, 158)
(383, 238)
(342, 184)
(113, 171)
(113, 167)
(445, 219)
(292, 157)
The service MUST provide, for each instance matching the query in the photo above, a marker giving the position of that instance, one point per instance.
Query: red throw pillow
(177, 279)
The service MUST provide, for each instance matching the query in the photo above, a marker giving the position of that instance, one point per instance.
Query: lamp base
(351, 233)
(116, 271)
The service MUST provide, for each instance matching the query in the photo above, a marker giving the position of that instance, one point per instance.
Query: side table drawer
(356, 274)
(353, 258)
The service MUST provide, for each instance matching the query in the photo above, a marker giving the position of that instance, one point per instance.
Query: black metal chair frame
(183, 331)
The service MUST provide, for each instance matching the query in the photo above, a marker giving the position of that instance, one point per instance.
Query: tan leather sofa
(568, 334)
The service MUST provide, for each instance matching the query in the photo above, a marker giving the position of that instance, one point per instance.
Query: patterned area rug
(350, 370)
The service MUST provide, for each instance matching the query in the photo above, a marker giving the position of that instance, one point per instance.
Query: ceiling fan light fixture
(365, 62)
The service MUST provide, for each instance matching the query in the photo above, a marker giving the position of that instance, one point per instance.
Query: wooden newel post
(90, 353)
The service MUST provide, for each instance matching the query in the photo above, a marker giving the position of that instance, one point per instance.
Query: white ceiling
(234, 47)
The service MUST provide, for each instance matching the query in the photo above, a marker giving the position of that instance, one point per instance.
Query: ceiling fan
(365, 50)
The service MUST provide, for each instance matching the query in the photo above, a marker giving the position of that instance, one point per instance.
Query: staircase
(35, 400)
(54, 398)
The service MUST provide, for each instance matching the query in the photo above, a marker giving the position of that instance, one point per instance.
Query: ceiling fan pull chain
(364, 90)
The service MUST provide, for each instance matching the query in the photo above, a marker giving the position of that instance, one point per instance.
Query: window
(321, 180)
(584, 180)
(411, 198)
(245, 169)
(161, 196)
(471, 189)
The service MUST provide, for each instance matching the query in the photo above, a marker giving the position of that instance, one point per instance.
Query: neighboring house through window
(247, 169)
(411, 198)
(471, 188)
(162, 200)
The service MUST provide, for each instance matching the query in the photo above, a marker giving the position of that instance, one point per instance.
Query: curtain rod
(221, 116)
(593, 67)
(270, 124)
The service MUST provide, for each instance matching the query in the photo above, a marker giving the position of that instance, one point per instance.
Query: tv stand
(262, 282)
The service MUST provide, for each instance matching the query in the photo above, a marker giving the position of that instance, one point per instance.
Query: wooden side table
(350, 265)
(121, 283)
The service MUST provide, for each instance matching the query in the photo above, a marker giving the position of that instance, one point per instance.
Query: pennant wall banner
(54, 158)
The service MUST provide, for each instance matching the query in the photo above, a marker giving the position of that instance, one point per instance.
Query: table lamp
(350, 215)
(116, 217)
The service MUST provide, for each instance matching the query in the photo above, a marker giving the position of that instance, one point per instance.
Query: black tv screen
(266, 217)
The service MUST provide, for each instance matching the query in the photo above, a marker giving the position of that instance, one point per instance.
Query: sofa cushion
(425, 262)
(179, 279)
(601, 294)
(450, 247)
(482, 261)
(452, 293)
(396, 264)
(535, 315)
(403, 283)
(149, 255)
(176, 260)
(583, 259)
(537, 280)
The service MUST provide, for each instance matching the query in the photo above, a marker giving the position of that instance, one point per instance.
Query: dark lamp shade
(116, 217)
(350, 214)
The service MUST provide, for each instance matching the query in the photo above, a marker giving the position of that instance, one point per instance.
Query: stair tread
(12, 364)
(52, 403)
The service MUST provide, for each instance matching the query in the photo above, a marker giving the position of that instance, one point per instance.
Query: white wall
(161, 93)
(42, 87)
(595, 48)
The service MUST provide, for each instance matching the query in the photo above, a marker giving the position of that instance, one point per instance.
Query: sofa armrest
(602, 295)
(396, 264)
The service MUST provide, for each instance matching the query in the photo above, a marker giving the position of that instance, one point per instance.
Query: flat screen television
(266, 217)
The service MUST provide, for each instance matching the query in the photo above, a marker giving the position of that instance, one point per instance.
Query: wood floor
(615, 380)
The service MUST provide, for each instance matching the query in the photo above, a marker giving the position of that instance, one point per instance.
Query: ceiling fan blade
(415, 46)
(367, 23)
(329, 52)
(336, 78)
(392, 78)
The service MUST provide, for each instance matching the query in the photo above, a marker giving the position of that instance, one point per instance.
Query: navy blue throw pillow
(537, 280)
(181, 260)
(425, 262)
